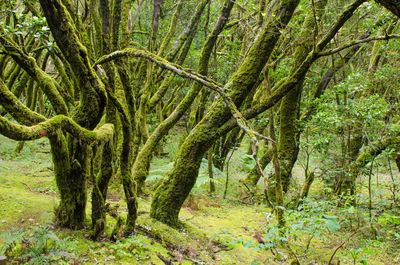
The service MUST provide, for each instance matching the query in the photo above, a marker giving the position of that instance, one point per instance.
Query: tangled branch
(185, 73)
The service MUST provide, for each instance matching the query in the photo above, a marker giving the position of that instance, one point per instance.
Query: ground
(235, 230)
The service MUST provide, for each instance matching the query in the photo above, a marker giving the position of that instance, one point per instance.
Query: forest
(199, 132)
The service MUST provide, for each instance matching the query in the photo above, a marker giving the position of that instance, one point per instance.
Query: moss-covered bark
(393, 6)
(89, 111)
(142, 164)
(171, 29)
(224, 145)
(355, 135)
(374, 149)
(289, 135)
(254, 175)
(126, 164)
(171, 194)
(28, 63)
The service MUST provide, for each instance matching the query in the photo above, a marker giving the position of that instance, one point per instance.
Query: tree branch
(47, 83)
(356, 42)
(48, 127)
(161, 62)
(16, 108)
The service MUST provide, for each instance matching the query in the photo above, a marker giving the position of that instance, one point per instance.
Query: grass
(27, 188)
(216, 231)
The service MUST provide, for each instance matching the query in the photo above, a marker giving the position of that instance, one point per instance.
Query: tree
(78, 73)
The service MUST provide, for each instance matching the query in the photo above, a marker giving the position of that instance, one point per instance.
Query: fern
(205, 179)
(159, 173)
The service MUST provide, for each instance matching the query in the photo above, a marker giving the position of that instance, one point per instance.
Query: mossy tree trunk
(142, 163)
(171, 194)
(87, 114)
(289, 135)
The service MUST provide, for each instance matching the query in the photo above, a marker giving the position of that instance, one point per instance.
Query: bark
(210, 170)
(171, 194)
(307, 185)
(224, 145)
(355, 134)
(183, 43)
(87, 114)
(373, 150)
(71, 211)
(393, 6)
(289, 135)
(142, 163)
(188, 30)
(171, 29)
(284, 86)
(126, 164)
(254, 175)
(28, 63)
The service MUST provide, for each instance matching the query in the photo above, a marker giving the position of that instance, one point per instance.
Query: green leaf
(248, 244)
(331, 223)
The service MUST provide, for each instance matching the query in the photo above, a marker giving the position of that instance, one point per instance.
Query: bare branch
(356, 42)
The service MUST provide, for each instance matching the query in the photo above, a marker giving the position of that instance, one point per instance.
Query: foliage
(202, 180)
(39, 245)
(126, 248)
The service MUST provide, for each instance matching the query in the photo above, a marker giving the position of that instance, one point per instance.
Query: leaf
(331, 223)
(248, 244)
(230, 245)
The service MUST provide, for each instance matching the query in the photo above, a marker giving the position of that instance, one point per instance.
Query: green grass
(216, 231)
(27, 187)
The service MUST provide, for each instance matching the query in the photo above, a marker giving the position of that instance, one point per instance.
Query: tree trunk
(171, 194)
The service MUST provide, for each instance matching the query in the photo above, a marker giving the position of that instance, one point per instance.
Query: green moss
(24, 192)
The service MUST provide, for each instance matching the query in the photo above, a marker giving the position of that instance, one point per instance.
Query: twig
(341, 245)
(253, 146)
(164, 259)
(26, 185)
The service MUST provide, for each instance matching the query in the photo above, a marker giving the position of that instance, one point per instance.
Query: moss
(24, 193)
(171, 194)
(171, 30)
(12, 77)
(290, 106)
(254, 175)
(195, 19)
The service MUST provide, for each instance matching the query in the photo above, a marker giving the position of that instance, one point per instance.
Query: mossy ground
(211, 227)
(28, 192)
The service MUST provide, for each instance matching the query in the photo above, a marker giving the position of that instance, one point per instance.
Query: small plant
(38, 246)
(131, 247)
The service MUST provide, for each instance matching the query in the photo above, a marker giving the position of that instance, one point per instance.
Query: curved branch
(284, 86)
(186, 74)
(373, 150)
(347, 13)
(49, 86)
(161, 62)
(16, 108)
(48, 127)
(356, 42)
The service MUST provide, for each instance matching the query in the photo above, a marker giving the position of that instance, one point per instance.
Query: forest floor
(236, 230)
